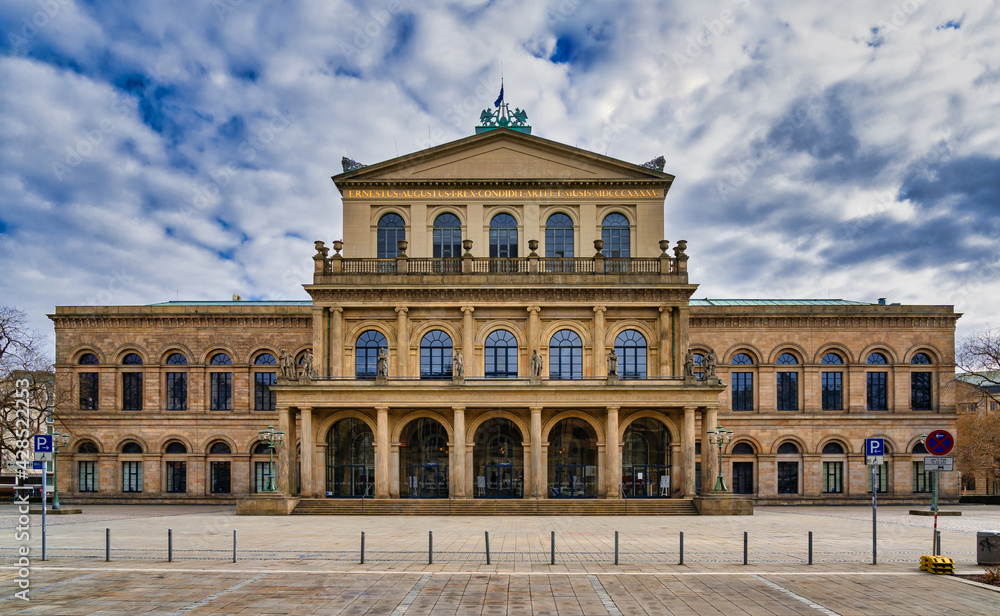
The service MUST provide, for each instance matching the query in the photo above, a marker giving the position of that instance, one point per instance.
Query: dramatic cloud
(150, 151)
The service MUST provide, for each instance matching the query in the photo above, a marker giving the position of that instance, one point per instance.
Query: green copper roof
(778, 302)
(273, 302)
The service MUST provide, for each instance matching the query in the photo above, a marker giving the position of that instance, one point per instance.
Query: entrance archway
(423, 460)
(498, 460)
(646, 459)
(350, 459)
(572, 459)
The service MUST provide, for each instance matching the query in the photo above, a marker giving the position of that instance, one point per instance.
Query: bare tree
(26, 373)
(978, 359)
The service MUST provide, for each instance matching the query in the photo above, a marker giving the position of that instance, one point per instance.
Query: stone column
(613, 455)
(468, 338)
(457, 458)
(687, 451)
(600, 359)
(533, 330)
(285, 456)
(319, 349)
(709, 452)
(665, 348)
(382, 452)
(536, 451)
(682, 338)
(402, 343)
(336, 353)
(308, 453)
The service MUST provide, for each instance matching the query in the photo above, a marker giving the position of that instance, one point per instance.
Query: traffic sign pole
(874, 516)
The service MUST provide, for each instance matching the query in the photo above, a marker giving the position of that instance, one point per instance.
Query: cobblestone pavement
(311, 564)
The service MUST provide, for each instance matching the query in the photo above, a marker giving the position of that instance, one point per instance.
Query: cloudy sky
(151, 151)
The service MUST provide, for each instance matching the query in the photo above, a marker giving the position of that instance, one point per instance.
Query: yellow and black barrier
(938, 565)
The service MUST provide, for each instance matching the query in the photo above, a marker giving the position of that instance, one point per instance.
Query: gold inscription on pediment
(500, 193)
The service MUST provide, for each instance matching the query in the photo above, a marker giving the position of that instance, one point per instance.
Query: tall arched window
(565, 355)
(435, 355)
(447, 236)
(742, 383)
(788, 383)
(176, 383)
(500, 355)
(630, 346)
(559, 236)
(366, 354)
(391, 230)
(833, 384)
(503, 237)
(616, 236)
(920, 384)
(878, 384)
(132, 390)
(89, 383)
(263, 398)
(221, 390)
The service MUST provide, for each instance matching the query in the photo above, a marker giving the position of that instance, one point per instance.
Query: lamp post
(721, 437)
(273, 438)
(55, 466)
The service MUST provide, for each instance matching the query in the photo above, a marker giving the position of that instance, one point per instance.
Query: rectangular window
(263, 397)
(833, 477)
(920, 391)
(222, 391)
(881, 476)
(923, 481)
(220, 477)
(833, 391)
(87, 481)
(742, 477)
(132, 391)
(788, 391)
(88, 391)
(877, 391)
(262, 472)
(788, 477)
(131, 476)
(177, 388)
(177, 477)
(742, 391)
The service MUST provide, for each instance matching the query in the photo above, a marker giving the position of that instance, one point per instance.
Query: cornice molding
(530, 296)
(145, 321)
(822, 321)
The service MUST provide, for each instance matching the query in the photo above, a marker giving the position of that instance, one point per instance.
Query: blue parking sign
(43, 443)
(874, 446)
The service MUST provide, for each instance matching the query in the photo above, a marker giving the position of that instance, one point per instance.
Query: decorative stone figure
(286, 365)
(612, 363)
(536, 364)
(689, 364)
(382, 369)
(307, 365)
(458, 366)
(710, 362)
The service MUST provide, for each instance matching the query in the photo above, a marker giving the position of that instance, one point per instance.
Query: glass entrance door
(574, 481)
(742, 477)
(646, 481)
(500, 481)
(353, 481)
(428, 481)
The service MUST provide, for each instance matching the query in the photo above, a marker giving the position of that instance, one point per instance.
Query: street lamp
(55, 466)
(721, 437)
(272, 438)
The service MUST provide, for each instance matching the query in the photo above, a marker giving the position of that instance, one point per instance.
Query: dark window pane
(132, 476)
(920, 391)
(132, 391)
(559, 236)
(87, 447)
(788, 391)
(177, 477)
(176, 359)
(833, 477)
(89, 359)
(89, 391)
(616, 235)
(832, 358)
(742, 391)
(132, 359)
(503, 237)
(435, 355)
(788, 477)
(786, 359)
(876, 358)
(788, 448)
(221, 359)
(565, 356)
(131, 447)
(391, 230)
(220, 479)
(219, 448)
(630, 346)
(265, 359)
(742, 359)
(500, 355)
(176, 391)
(833, 449)
(877, 391)
(832, 391)
(447, 236)
(366, 354)
(264, 398)
(175, 447)
(921, 358)
(222, 391)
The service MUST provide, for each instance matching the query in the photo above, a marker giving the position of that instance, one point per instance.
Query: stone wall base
(723, 505)
(266, 505)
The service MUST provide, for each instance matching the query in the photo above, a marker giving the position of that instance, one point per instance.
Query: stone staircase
(493, 507)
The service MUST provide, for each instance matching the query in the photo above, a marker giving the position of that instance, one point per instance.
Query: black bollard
(362, 547)
(682, 549)
(170, 545)
(107, 545)
(810, 547)
(430, 547)
(234, 545)
(552, 560)
(616, 547)
(487, 547)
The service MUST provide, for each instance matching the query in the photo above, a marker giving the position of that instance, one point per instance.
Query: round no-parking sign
(939, 442)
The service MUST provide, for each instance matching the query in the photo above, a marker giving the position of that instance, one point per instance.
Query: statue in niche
(382, 367)
(689, 364)
(458, 365)
(711, 360)
(536, 363)
(307, 365)
(612, 363)
(286, 365)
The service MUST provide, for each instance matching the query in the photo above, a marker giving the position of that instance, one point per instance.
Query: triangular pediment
(502, 155)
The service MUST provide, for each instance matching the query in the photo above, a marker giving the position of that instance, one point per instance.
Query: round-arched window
(132, 359)
(175, 447)
(833, 448)
(265, 359)
(565, 355)
(832, 359)
(743, 449)
(366, 353)
(500, 353)
(788, 448)
(503, 237)
(921, 358)
(447, 236)
(87, 447)
(391, 230)
(89, 359)
(630, 347)
(131, 447)
(176, 359)
(220, 448)
(559, 236)
(741, 359)
(876, 359)
(786, 359)
(616, 235)
(221, 359)
(435, 355)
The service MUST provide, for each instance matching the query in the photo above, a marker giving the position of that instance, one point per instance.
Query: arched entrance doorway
(572, 460)
(423, 460)
(350, 459)
(646, 459)
(498, 460)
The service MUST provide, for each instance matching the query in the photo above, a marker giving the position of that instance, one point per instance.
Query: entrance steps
(493, 507)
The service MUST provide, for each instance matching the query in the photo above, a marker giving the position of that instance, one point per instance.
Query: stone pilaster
(382, 452)
(687, 452)
(600, 352)
(457, 459)
(613, 455)
(308, 454)
(402, 342)
(468, 339)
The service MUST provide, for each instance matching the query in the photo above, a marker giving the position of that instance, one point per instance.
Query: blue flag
(499, 99)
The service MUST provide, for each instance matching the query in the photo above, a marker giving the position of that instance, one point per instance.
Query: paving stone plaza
(311, 564)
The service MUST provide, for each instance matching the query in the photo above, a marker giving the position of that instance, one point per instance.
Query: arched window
(878, 384)
(920, 384)
(220, 471)
(176, 470)
(786, 359)
(615, 233)
(630, 346)
(131, 469)
(265, 359)
(391, 230)
(89, 359)
(833, 469)
(742, 383)
(132, 390)
(176, 383)
(743, 449)
(500, 355)
(87, 447)
(832, 384)
(366, 354)
(788, 384)
(263, 398)
(220, 448)
(132, 359)
(221, 359)
(261, 449)
(435, 355)
(559, 236)
(788, 469)
(503, 237)
(831, 359)
(131, 447)
(175, 447)
(923, 480)
(833, 448)
(565, 355)
(221, 384)
(788, 448)
(447, 236)
(176, 359)
(699, 362)
(89, 387)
